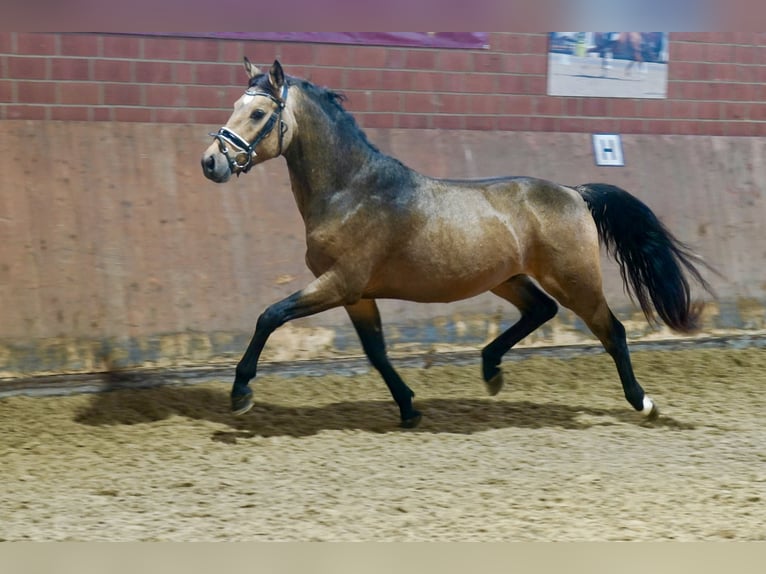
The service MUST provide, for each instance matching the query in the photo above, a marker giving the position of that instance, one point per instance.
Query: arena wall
(117, 253)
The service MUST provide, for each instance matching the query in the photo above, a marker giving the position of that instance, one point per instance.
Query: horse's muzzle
(216, 168)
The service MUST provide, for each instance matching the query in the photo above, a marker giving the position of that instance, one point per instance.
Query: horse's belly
(431, 275)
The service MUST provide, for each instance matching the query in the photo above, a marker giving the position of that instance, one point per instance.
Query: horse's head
(260, 128)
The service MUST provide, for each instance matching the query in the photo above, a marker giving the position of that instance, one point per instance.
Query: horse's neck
(321, 160)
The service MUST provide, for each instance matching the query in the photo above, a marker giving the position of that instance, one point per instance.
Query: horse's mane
(330, 101)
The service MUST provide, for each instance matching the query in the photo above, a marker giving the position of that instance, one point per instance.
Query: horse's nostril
(209, 163)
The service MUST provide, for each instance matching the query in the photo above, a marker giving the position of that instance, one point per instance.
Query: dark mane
(329, 100)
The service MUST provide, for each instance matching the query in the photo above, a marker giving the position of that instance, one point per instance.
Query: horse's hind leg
(366, 319)
(536, 308)
(589, 303)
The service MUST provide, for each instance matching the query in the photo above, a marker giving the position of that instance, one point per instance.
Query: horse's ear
(251, 69)
(276, 76)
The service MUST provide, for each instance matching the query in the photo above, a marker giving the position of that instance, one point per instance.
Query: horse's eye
(257, 115)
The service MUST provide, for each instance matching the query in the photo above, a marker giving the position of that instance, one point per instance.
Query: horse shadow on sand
(447, 415)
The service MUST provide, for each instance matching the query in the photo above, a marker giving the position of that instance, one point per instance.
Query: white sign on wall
(607, 149)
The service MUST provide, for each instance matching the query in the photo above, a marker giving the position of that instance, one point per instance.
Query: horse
(376, 228)
(629, 44)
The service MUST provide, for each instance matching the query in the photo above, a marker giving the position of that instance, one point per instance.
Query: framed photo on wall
(608, 64)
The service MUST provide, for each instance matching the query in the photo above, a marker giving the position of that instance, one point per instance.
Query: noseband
(244, 152)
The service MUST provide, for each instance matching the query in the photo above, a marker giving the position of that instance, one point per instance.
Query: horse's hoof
(494, 384)
(650, 410)
(411, 421)
(240, 404)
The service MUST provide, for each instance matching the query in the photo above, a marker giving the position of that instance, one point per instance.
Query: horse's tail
(652, 261)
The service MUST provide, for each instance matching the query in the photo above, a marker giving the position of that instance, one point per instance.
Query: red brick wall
(716, 86)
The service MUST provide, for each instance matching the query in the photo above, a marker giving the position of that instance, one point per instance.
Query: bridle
(244, 152)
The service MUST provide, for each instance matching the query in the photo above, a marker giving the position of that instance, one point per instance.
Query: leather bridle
(243, 151)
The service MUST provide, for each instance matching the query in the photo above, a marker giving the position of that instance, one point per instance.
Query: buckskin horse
(377, 229)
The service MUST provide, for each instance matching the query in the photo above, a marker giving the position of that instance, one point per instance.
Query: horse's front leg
(327, 291)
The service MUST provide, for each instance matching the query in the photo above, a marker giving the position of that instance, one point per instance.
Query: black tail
(651, 259)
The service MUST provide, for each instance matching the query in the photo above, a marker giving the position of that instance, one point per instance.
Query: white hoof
(650, 410)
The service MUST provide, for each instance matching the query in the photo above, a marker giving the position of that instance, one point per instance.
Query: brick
(121, 47)
(396, 58)
(153, 72)
(538, 124)
(290, 54)
(709, 110)
(516, 123)
(486, 104)
(447, 122)
(165, 96)
(390, 80)
(454, 103)
(370, 57)
(380, 121)
(71, 113)
(27, 112)
(455, 61)
(603, 125)
(421, 60)
(622, 108)
(365, 80)
(548, 105)
(80, 93)
(79, 45)
(330, 55)
(231, 51)
(489, 62)
(413, 121)
(734, 111)
(447, 82)
(573, 106)
(427, 82)
(480, 83)
(172, 116)
(480, 123)
(688, 52)
(739, 129)
(162, 49)
(70, 69)
(632, 126)
(7, 40)
(113, 70)
(102, 114)
(37, 44)
(184, 73)
(36, 92)
(211, 117)
(573, 125)
(718, 53)
(535, 84)
(27, 68)
(653, 109)
(530, 64)
(511, 84)
(513, 43)
(757, 112)
(518, 105)
(123, 95)
(6, 91)
(206, 97)
(202, 50)
(334, 78)
(759, 129)
(537, 43)
(420, 103)
(132, 114)
(680, 109)
(386, 102)
(595, 107)
(215, 74)
(357, 101)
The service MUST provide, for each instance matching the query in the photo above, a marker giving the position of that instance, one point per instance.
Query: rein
(244, 152)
